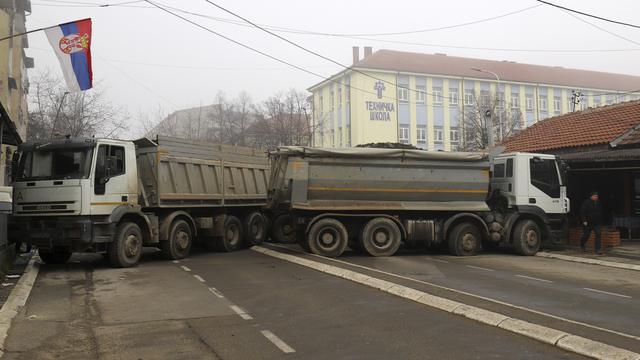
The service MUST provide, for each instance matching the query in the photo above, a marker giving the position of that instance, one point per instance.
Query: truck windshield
(55, 164)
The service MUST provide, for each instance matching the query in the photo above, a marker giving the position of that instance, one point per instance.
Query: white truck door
(110, 187)
(544, 187)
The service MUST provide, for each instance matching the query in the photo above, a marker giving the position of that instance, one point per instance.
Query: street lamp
(499, 112)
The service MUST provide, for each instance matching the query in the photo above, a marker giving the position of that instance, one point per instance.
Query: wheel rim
(381, 238)
(287, 229)
(256, 228)
(531, 238)
(469, 242)
(182, 240)
(232, 234)
(327, 238)
(131, 246)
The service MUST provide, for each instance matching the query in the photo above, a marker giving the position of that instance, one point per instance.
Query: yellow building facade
(425, 99)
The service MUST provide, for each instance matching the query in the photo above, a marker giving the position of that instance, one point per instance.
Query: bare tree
(54, 111)
(488, 116)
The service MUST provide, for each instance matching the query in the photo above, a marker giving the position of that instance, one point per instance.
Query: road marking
(533, 278)
(185, 268)
(464, 293)
(478, 267)
(440, 260)
(277, 342)
(243, 314)
(216, 292)
(199, 278)
(608, 293)
(176, 261)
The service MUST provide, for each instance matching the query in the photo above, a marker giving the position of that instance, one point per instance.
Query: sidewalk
(625, 256)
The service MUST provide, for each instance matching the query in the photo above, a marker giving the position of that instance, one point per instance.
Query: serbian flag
(72, 44)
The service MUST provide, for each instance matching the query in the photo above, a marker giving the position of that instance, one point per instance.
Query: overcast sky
(146, 58)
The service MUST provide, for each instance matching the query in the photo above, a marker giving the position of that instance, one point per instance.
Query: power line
(589, 15)
(601, 28)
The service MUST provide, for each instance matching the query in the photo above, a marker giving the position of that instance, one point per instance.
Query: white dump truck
(373, 200)
(114, 197)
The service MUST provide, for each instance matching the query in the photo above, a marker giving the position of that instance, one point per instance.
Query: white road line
(608, 293)
(533, 278)
(478, 267)
(465, 293)
(176, 261)
(199, 278)
(440, 260)
(243, 314)
(277, 342)
(216, 292)
(185, 268)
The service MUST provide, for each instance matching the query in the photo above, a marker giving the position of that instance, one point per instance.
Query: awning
(10, 134)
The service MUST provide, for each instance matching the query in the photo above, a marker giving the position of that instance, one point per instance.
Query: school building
(422, 99)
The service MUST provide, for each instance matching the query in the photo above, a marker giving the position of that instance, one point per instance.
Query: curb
(17, 299)
(563, 340)
(577, 259)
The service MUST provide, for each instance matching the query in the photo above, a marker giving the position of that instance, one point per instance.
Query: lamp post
(491, 142)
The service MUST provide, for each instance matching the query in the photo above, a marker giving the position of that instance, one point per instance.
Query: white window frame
(542, 103)
(403, 94)
(500, 100)
(453, 97)
(403, 134)
(469, 98)
(438, 135)
(454, 136)
(421, 95)
(557, 104)
(437, 95)
(421, 134)
(339, 97)
(528, 103)
(515, 101)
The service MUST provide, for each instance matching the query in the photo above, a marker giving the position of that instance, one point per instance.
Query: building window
(557, 101)
(347, 94)
(454, 136)
(403, 135)
(421, 134)
(484, 98)
(596, 101)
(528, 102)
(339, 97)
(500, 100)
(437, 96)
(332, 101)
(438, 134)
(420, 94)
(403, 94)
(515, 101)
(348, 135)
(453, 96)
(609, 99)
(340, 136)
(542, 103)
(468, 97)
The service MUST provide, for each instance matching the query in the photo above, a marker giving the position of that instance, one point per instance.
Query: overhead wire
(589, 15)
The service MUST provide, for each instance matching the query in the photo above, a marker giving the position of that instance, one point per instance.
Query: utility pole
(55, 120)
(498, 101)
(576, 98)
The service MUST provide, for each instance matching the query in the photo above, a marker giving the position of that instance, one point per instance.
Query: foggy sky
(147, 59)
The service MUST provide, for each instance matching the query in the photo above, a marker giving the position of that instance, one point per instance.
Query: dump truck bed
(380, 179)
(183, 173)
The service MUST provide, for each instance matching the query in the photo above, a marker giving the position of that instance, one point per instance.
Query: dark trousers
(587, 232)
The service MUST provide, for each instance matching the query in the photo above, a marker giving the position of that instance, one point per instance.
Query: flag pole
(40, 29)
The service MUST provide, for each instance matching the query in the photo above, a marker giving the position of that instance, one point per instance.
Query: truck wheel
(282, 230)
(527, 237)
(54, 257)
(464, 240)
(179, 244)
(126, 247)
(255, 228)
(380, 237)
(231, 238)
(327, 237)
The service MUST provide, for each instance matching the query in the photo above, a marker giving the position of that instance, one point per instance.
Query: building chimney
(367, 51)
(356, 54)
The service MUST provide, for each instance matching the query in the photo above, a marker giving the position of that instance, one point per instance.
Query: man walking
(591, 216)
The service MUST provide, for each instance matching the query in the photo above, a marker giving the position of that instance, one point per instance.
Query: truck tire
(327, 237)
(179, 243)
(380, 237)
(231, 238)
(526, 237)
(125, 249)
(464, 240)
(54, 257)
(282, 229)
(255, 228)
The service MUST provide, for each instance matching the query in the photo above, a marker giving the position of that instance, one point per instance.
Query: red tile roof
(440, 64)
(581, 128)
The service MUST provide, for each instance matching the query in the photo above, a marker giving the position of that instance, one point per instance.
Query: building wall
(425, 110)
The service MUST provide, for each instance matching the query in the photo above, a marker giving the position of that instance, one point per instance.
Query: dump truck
(374, 200)
(114, 197)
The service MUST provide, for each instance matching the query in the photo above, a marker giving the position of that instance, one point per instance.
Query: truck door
(110, 188)
(545, 190)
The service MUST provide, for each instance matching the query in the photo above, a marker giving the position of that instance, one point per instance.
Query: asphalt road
(242, 305)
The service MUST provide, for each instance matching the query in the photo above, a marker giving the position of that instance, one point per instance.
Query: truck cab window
(509, 172)
(544, 176)
(116, 155)
(498, 170)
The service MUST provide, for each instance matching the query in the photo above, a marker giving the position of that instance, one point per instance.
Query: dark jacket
(591, 212)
